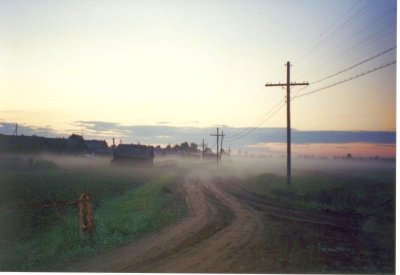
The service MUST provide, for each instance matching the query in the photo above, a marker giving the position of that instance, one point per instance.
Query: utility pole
(16, 129)
(288, 84)
(202, 151)
(113, 146)
(222, 139)
(217, 135)
(229, 151)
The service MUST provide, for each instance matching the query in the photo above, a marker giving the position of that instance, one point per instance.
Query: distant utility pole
(113, 147)
(229, 151)
(287, 84)
(217, 135)
(222, 140)
(202, 151)
(16, 129)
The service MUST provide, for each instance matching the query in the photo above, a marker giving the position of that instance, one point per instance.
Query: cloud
(160, 134)
(8, 128)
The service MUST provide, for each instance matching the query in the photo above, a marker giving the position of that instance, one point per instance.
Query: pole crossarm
(285, 84)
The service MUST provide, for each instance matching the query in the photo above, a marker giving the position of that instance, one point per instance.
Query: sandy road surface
(224, 232)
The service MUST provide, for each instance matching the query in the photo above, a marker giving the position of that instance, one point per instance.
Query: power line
(256, 127)
(355, 65)
(346, 80)
(340, 27)
(248, 128)
(366, 42)
(327, 29)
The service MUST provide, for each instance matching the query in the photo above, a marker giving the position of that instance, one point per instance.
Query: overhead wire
(328, 28)
(248, 128)
(357, 47)
(346, 80)
(355, 65)
(256, 127)
(342, 26)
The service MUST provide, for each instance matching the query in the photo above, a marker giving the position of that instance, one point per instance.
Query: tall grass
(127, 205)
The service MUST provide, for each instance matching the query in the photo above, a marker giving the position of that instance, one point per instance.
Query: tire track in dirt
(228, 249)
(227, 230)
(349, 222)
(206, 216)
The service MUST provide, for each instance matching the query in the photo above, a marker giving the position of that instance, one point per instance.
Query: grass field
(128, 204)
(368, 198)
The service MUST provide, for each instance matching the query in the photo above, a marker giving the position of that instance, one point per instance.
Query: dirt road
(227, 230)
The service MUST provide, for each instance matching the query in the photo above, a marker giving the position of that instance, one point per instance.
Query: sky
(197, 65)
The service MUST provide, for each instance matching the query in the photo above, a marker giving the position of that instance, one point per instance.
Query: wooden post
(85, 208)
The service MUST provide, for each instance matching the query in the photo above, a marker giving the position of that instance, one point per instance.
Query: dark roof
(21, 143)
(71, 145)
(94, 145)
(134, 151)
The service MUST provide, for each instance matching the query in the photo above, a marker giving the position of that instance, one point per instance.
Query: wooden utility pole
(287, 84)
(222, 140)
(217, 135)
(16, 129)
(113, 147)
(202, 151)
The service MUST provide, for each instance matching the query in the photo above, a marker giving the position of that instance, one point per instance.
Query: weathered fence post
(85, 209)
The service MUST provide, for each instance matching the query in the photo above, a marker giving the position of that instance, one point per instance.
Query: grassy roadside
(127, 206)
(367, 198)
(328, 192)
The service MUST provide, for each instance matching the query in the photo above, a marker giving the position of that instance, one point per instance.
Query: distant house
(21, 144)
(74, 144)
(135, 154)
(97, 147)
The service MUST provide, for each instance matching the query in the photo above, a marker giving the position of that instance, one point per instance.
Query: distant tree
(349, 156)
(176, 147)
(168, 146)
(185, 146)
(76, 137)
(158, 147)
(193, 146)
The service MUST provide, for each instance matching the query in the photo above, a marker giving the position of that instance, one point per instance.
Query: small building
(21, 144)
(74, 144)
(134, 154)
(97, 147)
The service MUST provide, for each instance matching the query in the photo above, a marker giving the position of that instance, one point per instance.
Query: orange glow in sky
(357, 149)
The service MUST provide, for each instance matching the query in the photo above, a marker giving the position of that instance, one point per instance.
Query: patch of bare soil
(230, 230)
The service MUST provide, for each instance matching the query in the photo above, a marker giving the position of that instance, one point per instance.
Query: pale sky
(196, 63)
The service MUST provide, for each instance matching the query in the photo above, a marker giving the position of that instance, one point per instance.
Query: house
(21, 144)
(73, 144)
(135, 154)
(97, 147)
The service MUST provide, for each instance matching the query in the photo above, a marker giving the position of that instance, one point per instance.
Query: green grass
(327, 191)
(128, 204)
(367, 198)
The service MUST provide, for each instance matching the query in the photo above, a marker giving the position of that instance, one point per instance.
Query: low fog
(241, 167)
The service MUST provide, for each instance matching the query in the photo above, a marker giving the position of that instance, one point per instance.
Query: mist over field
(198, 136)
